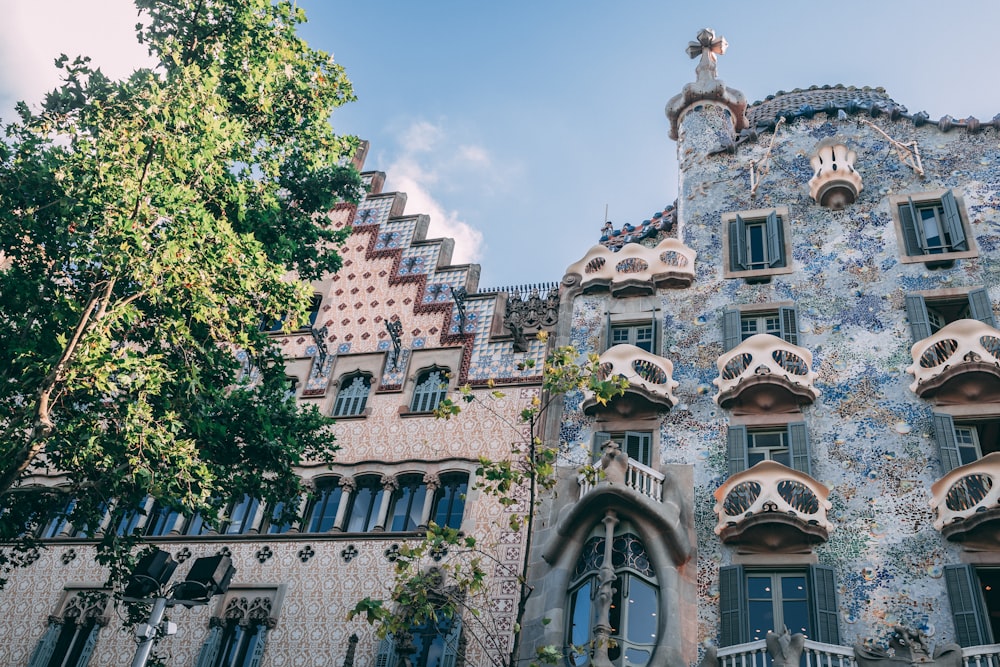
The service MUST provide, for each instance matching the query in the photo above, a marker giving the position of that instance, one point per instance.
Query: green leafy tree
(146, 227)
(431, 589)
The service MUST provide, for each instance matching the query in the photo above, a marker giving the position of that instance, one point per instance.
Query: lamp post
(207, 577)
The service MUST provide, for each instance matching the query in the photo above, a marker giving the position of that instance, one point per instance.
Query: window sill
(939, 260)
(348, 418)
(757, 275)
(405, 412)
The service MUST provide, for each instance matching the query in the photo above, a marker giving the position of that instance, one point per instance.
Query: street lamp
(208, 576)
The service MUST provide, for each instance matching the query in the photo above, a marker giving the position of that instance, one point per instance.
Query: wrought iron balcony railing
(635, 269)
(764, 363)
(964, 346)
(770, 492)
(649, 376)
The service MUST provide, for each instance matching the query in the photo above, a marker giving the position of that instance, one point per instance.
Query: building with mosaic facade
(810, 439)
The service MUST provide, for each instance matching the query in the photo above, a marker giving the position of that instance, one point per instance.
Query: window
(965, 442)
(634, 602)
(641, 333)
(273, 525)
(323, 512)
(931, 227)
(431, 388)
(352, 396)
(753, 601)
(928, 314)
(788, 445)
(637, 444)
(407, 504)
(161, 519)
(738, 325)
(974, 594)
(241, 516)
(71, 636)
(431, 644)
(59, 523)
(362, 516)
(449, 500)
(238, 638)
(757, 242)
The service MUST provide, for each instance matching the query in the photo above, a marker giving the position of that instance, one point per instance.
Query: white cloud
(421, 137)
(407, 175)
(474, 154)
(34, 32)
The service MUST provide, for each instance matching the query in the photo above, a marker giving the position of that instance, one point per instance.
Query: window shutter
(967, 609)
(451, 643)
(732, 606)
(953, 222)
(386, 656)
(731, 331)
(655, 323)
(775, 253)
(944, 433)
(916, 311)
(88, 647)
(788, 318)
(822, 581)
(607, 331)
(798, 447)
(43, 650)
(980, 306)
(601, 438)
(911, 236)
(738, 244)
(210, 649)
(737, 449)
(258, 647)
(638, 443)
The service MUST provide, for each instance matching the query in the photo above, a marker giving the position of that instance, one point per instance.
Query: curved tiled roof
(661, 221)
(832, 100)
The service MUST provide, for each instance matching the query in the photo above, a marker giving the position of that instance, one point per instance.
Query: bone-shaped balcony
(635, 269)
(771, 507)
(765, 373)
(967, 502)
(958, 364)
(650, 381)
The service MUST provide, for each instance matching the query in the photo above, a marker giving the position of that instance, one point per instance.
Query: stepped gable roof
(850, 100)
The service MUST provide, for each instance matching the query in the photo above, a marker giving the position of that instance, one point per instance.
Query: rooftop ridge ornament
(707, 87)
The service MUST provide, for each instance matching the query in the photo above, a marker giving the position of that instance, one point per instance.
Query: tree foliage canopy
(146, 226)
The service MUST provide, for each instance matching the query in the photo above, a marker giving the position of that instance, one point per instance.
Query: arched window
(362, 516)
(323, 510)
(273, 525)
(407, 504)
(449, 505)
(352, 395)
(431, 388)
(160, 520)
(70, 638)
(238, 638)
(431, 644)
(241, 516)
(630, 609)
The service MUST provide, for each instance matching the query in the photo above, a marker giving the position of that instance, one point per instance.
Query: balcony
(772, 508)
(635, 269)
(957, 365)
(818, 654)
(650, 378)
(966, 503)
(639, 478)
(764, 373)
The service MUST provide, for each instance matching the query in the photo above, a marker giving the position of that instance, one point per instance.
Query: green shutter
(637, 446)
(43, 650)
(967, 608)
(210, 649)
(451, 643)
(789, 321)
(738, 244)
(916, 311)
(908, 220)
(980, 306)
(607, 331)
(88, 647)
(944, 433)
(732, 606)
(258, 647)
(732, 334)
(386, 653)
(654, 322)
(798, 447)
(737, 449)
(952, 221)
(775, 251)
(600, 439)
(822, 581)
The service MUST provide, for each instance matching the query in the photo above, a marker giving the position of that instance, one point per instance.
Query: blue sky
(514, 124)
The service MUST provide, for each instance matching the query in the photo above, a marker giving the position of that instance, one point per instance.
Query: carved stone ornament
(707, 87)
(907, 648)
(785, 648)
(835, 183)
(522, 314)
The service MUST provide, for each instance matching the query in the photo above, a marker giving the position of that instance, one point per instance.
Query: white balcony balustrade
(961, 359)
(765, 373)
(814, 654)
(967, 498)
(638, 477)
(770, 493)
(635, 269)
(650, 380)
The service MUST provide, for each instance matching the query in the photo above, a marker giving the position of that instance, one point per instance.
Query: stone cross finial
(709, 47)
